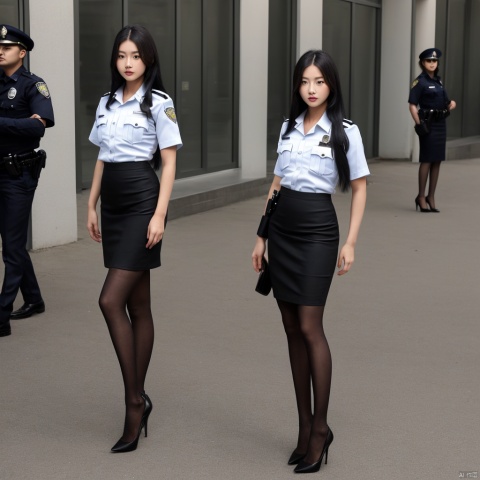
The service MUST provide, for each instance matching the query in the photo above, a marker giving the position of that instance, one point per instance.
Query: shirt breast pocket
(284, 155)
(102, 125)
(135, 127)
(321, 160)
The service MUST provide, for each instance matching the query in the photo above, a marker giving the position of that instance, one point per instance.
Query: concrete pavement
(403, 327)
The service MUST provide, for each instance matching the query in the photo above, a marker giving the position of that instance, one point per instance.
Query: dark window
(351, 36)
(281, 60)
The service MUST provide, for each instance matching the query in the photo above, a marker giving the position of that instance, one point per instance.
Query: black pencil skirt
(433, 146)
(303, 241)
(129, 196)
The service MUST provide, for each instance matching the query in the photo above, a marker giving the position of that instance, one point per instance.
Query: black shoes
(304, 467)
(147, 411)
(5, 330)
(432, 209)
(418, 206)
(27, 310)
(295, 458)
(123, 447)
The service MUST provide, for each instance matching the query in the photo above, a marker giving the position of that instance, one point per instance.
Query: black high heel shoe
(148, 410)
(295, 458)
(432, 209)
(304, 467)
(418, 206)
(123, 447)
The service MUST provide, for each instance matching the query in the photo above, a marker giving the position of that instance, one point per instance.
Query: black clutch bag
(264, 285)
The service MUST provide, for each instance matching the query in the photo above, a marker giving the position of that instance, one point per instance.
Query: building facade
(227, 64)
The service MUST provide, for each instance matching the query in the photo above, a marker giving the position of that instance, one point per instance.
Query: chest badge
(43, 89)
(12, 93)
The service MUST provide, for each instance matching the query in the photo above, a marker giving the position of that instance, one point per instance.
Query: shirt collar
(139, 94)
(324, 123)
(15, 75)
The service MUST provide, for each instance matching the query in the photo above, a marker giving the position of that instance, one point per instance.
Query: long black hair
(335, 109)
(147, 50)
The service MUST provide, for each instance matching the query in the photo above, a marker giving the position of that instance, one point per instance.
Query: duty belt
(14, 163)
(433, 115)
(22, 159)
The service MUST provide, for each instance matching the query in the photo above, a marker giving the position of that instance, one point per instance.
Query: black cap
(430, 53)
(14, 36)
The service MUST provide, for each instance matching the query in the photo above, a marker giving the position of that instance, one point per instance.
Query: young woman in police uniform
(429, 104)
(317, 150)
(136, 129)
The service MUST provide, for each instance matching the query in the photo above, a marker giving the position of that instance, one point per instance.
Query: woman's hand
(258, 253)
(346, 259)
(452, 105)
(156, 229)
(38, 117)
(92, 225)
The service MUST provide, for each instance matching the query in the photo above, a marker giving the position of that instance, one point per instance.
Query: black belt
(22, 159)
(433, 114)
(14, 163)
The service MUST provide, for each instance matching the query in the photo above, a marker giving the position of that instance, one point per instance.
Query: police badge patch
(43, 89)
(12, 93)
(414, 83)
(170, 113)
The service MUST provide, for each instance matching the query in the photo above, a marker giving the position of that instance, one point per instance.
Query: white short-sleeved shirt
(125, 134)
(305, 165)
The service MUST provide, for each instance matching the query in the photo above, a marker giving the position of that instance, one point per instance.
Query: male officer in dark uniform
(25, 111)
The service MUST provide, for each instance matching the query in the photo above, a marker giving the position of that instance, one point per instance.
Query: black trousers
(16, 198)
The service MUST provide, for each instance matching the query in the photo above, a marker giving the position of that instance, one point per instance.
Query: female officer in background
(429, 106)
(135, 127)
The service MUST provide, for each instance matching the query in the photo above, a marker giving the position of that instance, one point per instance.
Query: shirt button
(114, 123)
(136, 124)
(299, 153)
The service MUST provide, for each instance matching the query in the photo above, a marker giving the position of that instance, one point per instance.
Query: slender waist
(319, 197)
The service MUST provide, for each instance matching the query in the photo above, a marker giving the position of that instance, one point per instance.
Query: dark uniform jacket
(428, 93)
(22, 95)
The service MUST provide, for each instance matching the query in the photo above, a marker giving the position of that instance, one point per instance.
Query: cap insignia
(434, 54)
(3, 32)
(43, 89)
(170, 113)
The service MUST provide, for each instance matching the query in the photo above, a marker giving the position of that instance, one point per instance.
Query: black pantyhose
(428, 172)
(311, 361)
(132, 336)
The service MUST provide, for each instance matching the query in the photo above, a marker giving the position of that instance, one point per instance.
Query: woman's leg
(117, 289)
(423, 171)
(320, 360)
(432, 185)
(140, 312)
(300, 371)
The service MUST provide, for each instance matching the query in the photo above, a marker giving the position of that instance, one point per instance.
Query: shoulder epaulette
(347, 123)
(159, 93)
(105, 94)
(31, 74)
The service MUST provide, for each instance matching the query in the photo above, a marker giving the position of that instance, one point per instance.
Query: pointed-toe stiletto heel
(418, 206)
(304, 467)
(122, 446)
(147, 412)
(295, 458)
(432, 209)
